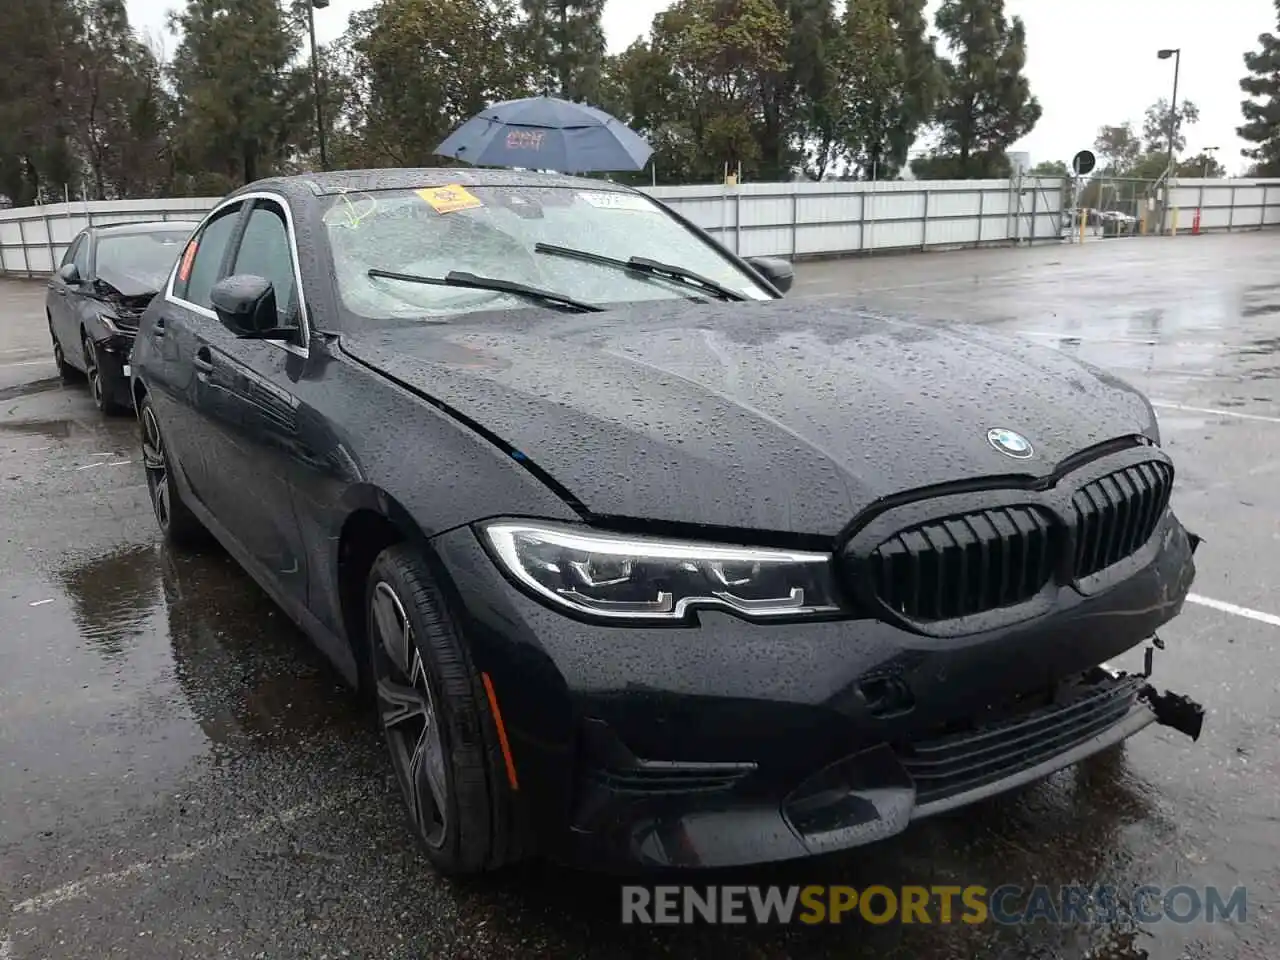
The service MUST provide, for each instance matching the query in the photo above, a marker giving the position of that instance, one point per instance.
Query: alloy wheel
(155, 466)
(407, 710)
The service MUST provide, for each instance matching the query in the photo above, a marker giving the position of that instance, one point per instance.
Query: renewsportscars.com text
(1008, 904)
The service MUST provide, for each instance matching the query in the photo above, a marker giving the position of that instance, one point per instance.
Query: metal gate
(1106, 206)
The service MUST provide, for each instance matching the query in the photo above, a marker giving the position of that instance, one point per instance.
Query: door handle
(203, 360)
(158, 329)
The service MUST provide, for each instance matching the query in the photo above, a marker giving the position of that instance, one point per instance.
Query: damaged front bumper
(1174, 710)
(728, 745)
(872, 794)
(114, 352)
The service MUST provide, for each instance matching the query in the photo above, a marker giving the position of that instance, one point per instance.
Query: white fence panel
(760, 219)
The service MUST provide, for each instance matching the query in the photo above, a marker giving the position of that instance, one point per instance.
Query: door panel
(173, 339)
(247, 402)
(250, 409)
(62, 311)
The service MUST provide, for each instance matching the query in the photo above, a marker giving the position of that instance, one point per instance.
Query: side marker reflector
(502, 732)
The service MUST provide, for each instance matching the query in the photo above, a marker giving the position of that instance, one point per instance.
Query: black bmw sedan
(643, 564)
(106, 279)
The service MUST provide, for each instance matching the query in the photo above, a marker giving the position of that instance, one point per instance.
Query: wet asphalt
(181, 775)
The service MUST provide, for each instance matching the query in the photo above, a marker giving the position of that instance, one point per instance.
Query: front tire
(99, 390)
(434, 711)
(178, 524)
(67, 372)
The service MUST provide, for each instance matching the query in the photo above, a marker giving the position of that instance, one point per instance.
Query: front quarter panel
(365, 443)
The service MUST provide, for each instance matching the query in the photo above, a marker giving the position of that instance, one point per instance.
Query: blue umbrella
(544, 133)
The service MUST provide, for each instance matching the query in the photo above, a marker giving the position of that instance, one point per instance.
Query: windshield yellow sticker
(607, 200)
(450, 199)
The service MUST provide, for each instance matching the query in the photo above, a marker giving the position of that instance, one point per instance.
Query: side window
(265, 252)
(202, 259)
(81, 256)
(75, 246)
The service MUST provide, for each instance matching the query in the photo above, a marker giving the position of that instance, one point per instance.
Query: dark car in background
(643, 563)
(106, 279)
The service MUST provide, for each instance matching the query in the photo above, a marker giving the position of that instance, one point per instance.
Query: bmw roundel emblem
(1010, 443)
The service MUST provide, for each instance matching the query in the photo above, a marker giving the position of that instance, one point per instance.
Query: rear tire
(434, 712)
(178, 525)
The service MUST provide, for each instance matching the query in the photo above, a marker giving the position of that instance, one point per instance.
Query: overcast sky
(1090, 62)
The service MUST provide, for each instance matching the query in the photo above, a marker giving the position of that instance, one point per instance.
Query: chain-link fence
(1106, 206)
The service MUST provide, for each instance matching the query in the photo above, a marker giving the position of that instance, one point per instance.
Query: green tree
(417, 69)
(1118, 148)
(988, 104)
(241, 95)
(697, 87)
(870, 72)
(1203, 164)
(1262, 110)
(800, 110)
(787, 95)
(913, 102)
(564, 42)
(1156, 123)
(1050, 168)
(872, 85)
(118, 109)
(37, 57)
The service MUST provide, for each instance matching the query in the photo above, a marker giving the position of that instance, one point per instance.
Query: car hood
(135, 284)
(788, 415)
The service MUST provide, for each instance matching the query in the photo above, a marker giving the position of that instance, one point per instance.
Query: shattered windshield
(493, 232)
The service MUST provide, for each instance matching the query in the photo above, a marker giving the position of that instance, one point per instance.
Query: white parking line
(1129, 341)
(1268, 618)
(25, 363)
(1166, 405)
(76, 889)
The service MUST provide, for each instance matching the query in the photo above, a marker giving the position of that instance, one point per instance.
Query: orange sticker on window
(450, 199)
(188, 256)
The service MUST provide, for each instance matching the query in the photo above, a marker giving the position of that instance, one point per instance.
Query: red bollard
(1195, 224)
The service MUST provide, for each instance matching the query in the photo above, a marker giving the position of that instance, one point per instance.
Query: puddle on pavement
(1260, 309)
(148, 653)
(30, 388)
(53, 429)
(1263, 347)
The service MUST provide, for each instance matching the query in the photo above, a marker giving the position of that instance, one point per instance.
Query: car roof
(358, 181)
(143, 226)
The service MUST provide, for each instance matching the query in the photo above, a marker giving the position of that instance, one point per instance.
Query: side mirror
(778, 272)
(69, 273)
(246, 305)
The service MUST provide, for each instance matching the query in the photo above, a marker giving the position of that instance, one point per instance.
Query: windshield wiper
(470, 281)
(647, 268)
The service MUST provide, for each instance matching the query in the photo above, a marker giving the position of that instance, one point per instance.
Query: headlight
(642, 578)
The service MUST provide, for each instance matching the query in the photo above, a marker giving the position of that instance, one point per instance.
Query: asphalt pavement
(181, 775)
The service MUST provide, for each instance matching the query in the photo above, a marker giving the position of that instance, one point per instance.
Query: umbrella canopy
(545, 133)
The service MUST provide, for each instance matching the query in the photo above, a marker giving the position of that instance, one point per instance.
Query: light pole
(312, 7)
(1208, 159)
(1176, 53)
